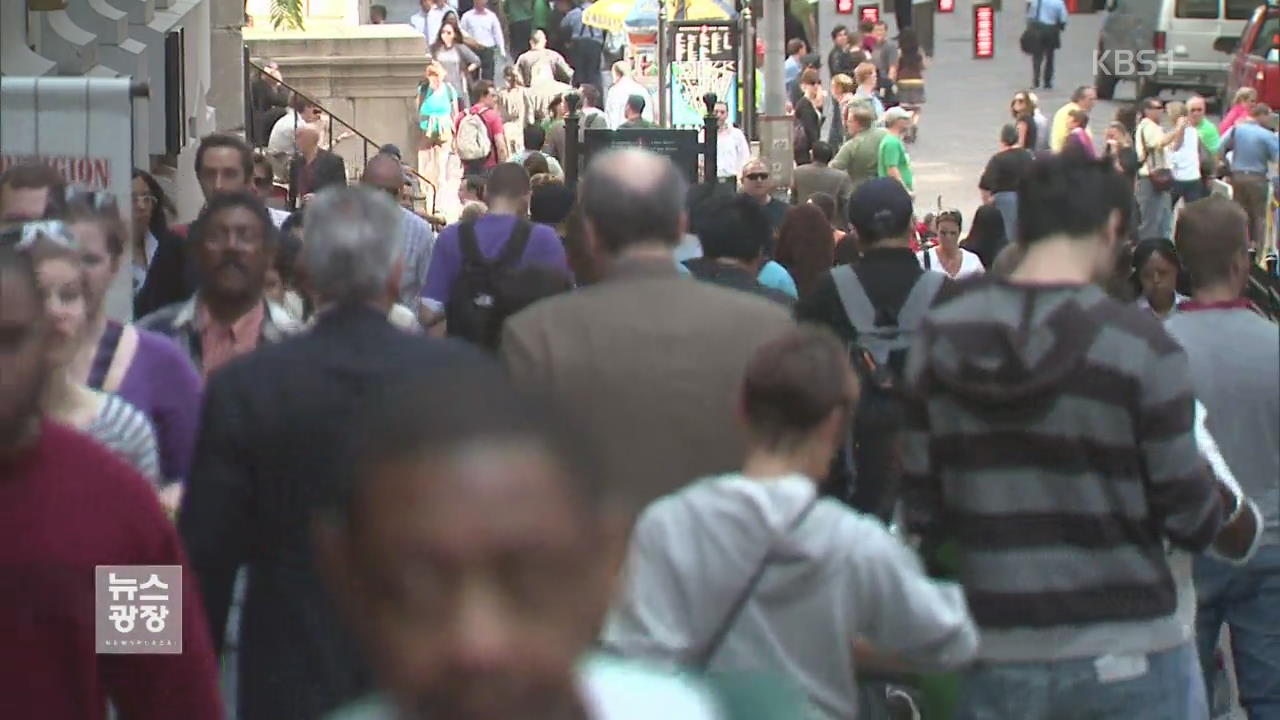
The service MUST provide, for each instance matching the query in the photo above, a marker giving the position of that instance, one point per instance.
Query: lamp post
(571, 139)
(710, 139)
(663, 59)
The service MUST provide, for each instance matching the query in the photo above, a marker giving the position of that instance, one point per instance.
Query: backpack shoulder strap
(513, 251)
(857, 306)
(919, 299)
(470, 245)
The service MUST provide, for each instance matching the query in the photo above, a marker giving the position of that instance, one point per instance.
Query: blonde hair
(842, 83)
(1176, 109)
(1245, 95)
(863, 71)
(435, 68)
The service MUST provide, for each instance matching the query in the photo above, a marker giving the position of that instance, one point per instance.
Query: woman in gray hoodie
(753, 572)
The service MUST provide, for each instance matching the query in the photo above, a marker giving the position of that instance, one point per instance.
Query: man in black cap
(875, 305)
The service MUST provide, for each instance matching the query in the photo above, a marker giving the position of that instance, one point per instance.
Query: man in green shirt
(860, 154)
(1207, 131)
(634, 112)
(893, 159)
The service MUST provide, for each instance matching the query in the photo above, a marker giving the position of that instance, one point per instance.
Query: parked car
(1168, 44)
(1255, 55)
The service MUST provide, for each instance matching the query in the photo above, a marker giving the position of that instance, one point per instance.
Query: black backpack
(871, 457)
(474, 310)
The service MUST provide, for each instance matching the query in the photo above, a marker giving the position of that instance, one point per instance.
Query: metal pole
(710, 139)
(663, 51)
(571, 140)
(775, 92)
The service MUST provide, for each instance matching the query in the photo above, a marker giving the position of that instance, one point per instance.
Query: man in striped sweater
(1050, 439)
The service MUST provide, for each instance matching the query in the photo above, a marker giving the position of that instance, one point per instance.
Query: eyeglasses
(758, 177)
(145, 202)
(25, 235)
(1156, 106)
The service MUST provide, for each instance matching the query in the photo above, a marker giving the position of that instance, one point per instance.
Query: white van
(1167, 44)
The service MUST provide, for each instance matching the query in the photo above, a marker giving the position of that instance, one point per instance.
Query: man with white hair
(313, 168)
(624, 86)
(272, 448)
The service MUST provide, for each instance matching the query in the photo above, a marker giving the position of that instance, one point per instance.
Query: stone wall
(365, 75)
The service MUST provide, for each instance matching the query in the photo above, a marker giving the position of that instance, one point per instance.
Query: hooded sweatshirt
(837, 576)
(1051, 437)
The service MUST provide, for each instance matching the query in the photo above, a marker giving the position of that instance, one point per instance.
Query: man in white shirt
(624, 86)
(282, 144)
(429, 18)
(484, 33)
(732, 149)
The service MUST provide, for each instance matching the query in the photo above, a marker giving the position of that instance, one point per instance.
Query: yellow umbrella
(611, 15)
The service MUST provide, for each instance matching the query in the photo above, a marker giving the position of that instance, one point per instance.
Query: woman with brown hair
(437, 105)
(1023, 110)
(805, 246)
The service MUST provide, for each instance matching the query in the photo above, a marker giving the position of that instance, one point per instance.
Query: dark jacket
(171, 277)
(811, 124)
(327, 169)
(269, 455)
(734, 278)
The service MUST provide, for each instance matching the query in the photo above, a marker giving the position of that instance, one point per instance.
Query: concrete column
(16, 58)
(775, 124)
(226, 53)
(66, 43)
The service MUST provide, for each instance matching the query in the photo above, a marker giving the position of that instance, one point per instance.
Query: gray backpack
(881, 346)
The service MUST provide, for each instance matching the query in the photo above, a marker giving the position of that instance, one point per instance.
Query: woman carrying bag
(1046, 19)
(437, 105)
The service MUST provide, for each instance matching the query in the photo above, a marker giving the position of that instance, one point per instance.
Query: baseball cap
(880, 209)
(896, 113)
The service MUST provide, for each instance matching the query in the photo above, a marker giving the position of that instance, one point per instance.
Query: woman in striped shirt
(113, 422)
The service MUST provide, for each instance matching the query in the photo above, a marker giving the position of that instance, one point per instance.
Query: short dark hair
(826, 203)
(299, 102)
(475, 184)
(378, 11)
(1081, 117)
(467, 404)
(508, 180)
(795, 45)
(835, 31)
(534, 137)
(480, 90)
(624, 215)
(550, 203)
(238, 199)
(590, 95)
(1210, 235)
(223, 140)
(822, 152)
(1009, 134)
(635, 103)
(732, 227)
(793, 383)
(810, 77)
(34, 175)
(1070, 194)
(535, 163)
(866, 26)
(262, 161)
(106, 215)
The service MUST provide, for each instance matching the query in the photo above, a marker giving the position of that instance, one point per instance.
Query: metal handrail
(435, 190)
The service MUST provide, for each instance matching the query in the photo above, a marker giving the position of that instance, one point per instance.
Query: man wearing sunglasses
(756, 182)
(1155, 203)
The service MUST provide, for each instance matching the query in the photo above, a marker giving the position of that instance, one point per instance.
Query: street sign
(869, 12)
(844, 7)
(946, 6)
(984, 31)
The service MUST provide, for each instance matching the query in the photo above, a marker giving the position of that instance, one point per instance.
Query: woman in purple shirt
(144, 368)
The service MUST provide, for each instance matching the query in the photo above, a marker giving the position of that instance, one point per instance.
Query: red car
(1255, 61)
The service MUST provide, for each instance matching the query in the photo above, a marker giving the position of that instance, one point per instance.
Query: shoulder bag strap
(920, 299)
(703, 658)
(857, 306)
(928, 259)
(105, 353)
(470, 246)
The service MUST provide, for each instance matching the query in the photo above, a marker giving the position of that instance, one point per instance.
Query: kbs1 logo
(1128, 63)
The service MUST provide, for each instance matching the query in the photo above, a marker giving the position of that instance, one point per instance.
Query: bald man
(313, 168)
(386, 173)
(646, 363)
(544, 71)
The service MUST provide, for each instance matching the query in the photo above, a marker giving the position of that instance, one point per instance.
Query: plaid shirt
(419, 243)
(179, 323)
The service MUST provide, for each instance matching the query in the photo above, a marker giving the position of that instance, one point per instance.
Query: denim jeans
(1188, 191)
(1248, 600)
(1007, 204)
(1087, 689)
(1155, 211)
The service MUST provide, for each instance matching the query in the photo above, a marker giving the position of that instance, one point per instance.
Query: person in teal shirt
(894, 161)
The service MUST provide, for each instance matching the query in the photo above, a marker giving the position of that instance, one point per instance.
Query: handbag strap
(703, 658)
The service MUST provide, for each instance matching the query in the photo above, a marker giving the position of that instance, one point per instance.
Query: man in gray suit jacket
(647, 362)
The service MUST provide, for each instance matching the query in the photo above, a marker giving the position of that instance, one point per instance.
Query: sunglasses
(952, 215)
(25, 235)
(756, 176)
